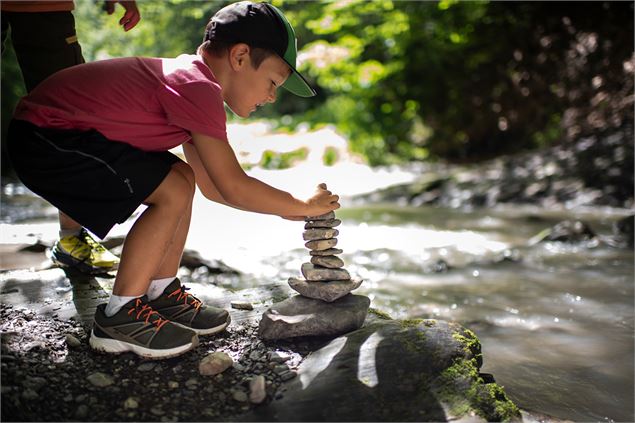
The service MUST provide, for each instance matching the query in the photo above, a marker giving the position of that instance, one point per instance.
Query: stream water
(556, 321)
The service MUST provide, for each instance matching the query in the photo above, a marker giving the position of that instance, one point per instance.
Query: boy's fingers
(322, 185)
(334, 198)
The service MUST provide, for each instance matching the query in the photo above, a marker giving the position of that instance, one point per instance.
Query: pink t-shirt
(151, 103)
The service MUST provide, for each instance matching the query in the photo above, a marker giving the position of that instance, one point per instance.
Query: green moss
(381, 314)
(471, 344)
(463, 390)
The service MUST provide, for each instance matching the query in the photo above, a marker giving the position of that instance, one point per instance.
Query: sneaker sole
(71, 262)
(110, 345)
(210, 331)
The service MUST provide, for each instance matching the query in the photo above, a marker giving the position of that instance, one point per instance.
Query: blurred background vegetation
(409, 80)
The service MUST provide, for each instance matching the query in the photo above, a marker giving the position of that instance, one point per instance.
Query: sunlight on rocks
(366, 367)
(328, 353)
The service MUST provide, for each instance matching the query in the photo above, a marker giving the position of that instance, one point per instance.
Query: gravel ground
(49, 373)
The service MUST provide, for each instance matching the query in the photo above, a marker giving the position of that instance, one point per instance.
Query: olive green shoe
(83, 253)
(140, 329)
(188, 311)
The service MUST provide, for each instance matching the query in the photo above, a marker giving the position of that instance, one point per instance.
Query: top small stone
(326, 216)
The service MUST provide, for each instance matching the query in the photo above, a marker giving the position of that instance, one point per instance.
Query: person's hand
(323, 201)
(130, 18)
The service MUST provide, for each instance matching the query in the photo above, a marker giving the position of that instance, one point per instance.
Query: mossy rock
(392, 370)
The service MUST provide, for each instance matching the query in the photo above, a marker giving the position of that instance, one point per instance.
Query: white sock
(116, 302)
(157, 287)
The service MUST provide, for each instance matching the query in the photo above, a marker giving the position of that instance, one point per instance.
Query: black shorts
(95, 181)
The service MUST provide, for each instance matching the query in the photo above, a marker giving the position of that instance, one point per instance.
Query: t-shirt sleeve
(196, 107)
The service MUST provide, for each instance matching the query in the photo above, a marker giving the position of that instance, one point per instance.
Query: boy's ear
(239, 55)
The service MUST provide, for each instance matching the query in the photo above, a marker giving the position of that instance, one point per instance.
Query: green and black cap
(260, 25)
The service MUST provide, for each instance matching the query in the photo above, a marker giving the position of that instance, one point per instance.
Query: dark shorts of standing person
(95, 181)
(38, 60)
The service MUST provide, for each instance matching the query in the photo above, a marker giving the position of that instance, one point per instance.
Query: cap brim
(297, 85)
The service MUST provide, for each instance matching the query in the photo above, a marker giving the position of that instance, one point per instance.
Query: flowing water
(556, 321)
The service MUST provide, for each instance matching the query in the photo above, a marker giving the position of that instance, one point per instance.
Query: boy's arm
(226, 181)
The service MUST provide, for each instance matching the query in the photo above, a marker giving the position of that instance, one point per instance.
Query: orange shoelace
(185, 296)
(158, 320)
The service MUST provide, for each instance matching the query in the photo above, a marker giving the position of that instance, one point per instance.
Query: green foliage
(330, 156)
(272, 160)
(411, 80)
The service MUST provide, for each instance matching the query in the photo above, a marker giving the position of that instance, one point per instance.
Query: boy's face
(251, 88)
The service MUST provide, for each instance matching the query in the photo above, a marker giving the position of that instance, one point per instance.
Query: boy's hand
(323, 201)
(130, 18)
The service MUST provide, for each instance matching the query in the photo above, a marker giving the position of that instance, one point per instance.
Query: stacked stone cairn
(324, 276)
(325, 306)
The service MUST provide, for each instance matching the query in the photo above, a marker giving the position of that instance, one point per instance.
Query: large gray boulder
(301, 316)
(391, 370)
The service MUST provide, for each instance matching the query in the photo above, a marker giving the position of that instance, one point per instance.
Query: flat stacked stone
(324, 276)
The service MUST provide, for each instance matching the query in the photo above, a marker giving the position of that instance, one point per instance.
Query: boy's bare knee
(187, 172)
(176, 190)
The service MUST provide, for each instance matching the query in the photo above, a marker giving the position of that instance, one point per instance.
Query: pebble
(332, 262)
(288, 375)
(100, 379)
(319, 233)
(130, 403)
(71, 341)
(331, 223)
(242, 305)
(278, 357)
(157, 411)
(29, 394)
(257, 391)
(240, 396)
(215, 363)
(327, 252)
(81, 412)
(173, 384)
(321, 244)
(145, 367)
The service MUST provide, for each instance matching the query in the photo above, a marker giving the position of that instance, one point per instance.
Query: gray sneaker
(186, 310)
(140, 329)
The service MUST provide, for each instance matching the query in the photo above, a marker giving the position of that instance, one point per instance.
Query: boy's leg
(152, 236)
(173, 301)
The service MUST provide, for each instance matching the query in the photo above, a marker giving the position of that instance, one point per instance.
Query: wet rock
(331, 223)
(242, 305)
(316, 273)
(146, 367)
(193, 260)
(327, 252)
(319, 233)
(301, 316)
(257, 392)
(325, 291)
(214, 363)
(332, 262)
(568, 231)
(321, 244)
(624, 230)
(99, 379)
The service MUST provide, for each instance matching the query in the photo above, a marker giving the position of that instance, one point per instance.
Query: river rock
(325, 291)
(327, 252)
(257, 391)
(301, 316)
(391, 370)
(315, 273)
(331, 262)
(214, 363)
(319, 233)
(327, 216)
(331, 223)
(321, 244)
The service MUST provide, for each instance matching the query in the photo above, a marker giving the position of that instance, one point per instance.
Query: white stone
(214, 363)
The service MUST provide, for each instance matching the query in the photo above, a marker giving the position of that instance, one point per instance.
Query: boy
(93, 141)
(39, 57)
